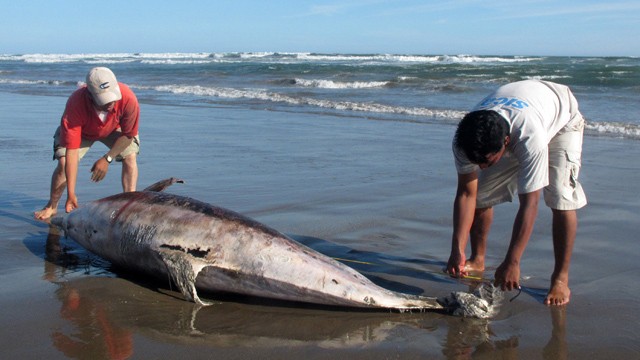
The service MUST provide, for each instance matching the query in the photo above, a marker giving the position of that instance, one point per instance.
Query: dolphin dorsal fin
(163, 184)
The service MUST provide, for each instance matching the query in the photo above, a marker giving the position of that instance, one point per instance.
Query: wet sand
(377, 192)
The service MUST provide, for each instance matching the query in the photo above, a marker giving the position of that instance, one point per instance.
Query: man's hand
(99, 169)
(71, 204)
(507, 276)
(455, 265)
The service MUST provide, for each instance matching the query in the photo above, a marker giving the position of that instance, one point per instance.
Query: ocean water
(415, 88)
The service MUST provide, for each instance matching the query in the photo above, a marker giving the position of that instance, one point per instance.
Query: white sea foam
(32, 82)
(198, 58)
(613, 129)
(329, 84)
(109, 58)
(66, 58)
(256, 55)
(417, 58)
(177, 61)
(173, 55)
(486, 59)
(547, 77)
(260, 94)
(368, 58)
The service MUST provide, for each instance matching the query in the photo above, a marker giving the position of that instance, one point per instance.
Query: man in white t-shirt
(524, 139)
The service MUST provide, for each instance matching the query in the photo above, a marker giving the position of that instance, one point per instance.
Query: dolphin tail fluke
(163, 184)
(483, 303)
(411, 302)
(183, 273)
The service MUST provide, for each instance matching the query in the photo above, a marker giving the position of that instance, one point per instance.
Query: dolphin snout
(60, 222)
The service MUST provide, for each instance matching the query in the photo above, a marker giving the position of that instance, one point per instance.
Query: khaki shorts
(85, 145)
(499, 183)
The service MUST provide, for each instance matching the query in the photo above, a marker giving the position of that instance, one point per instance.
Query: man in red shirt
(103, 110)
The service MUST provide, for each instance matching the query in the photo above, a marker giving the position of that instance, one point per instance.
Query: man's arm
(508, 273)
(71, 172)
(101, 166)
(464, 207)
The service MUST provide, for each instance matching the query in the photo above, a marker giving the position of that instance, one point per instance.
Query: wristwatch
(108, 158)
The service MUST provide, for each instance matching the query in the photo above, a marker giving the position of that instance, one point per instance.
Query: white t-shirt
(535, 110)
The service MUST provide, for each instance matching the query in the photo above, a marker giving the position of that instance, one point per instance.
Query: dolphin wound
(183, 270)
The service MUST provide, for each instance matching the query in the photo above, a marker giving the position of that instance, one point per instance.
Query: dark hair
(481, 133)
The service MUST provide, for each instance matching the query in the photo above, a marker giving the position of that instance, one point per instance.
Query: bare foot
(474, 265)
(45, 213)
(558, 295)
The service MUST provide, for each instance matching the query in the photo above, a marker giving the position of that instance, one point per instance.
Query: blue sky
(478, 27)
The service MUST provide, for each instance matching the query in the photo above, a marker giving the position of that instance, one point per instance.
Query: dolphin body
(208, 248)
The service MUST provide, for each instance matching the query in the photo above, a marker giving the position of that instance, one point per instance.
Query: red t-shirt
(80, 119)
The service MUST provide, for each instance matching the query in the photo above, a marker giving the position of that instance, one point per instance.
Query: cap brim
(107, 97)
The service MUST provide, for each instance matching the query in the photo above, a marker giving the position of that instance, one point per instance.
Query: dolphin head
(60, 221)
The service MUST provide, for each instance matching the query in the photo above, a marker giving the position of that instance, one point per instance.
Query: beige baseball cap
(103, 85)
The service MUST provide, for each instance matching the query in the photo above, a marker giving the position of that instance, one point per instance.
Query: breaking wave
(615, 129)
(275, 57)
(263, 95)
(39, 82)
(330, 84)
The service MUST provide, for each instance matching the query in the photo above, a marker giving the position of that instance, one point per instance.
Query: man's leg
(128, 157)
(565, 225)
(129, 173)
(479, 234)
(58, 185)
(564, 196)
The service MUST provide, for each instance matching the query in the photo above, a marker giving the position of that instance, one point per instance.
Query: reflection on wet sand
(468, 338)
(95, 335)
(557, 348)
(106, 311)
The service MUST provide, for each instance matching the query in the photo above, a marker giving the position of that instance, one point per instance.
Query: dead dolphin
(208, 248)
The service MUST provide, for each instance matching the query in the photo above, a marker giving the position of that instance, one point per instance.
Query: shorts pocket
(573, 169)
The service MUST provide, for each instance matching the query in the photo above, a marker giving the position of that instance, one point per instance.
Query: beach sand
(374, 191)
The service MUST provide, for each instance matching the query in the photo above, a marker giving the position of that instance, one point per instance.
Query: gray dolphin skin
(210, 249)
